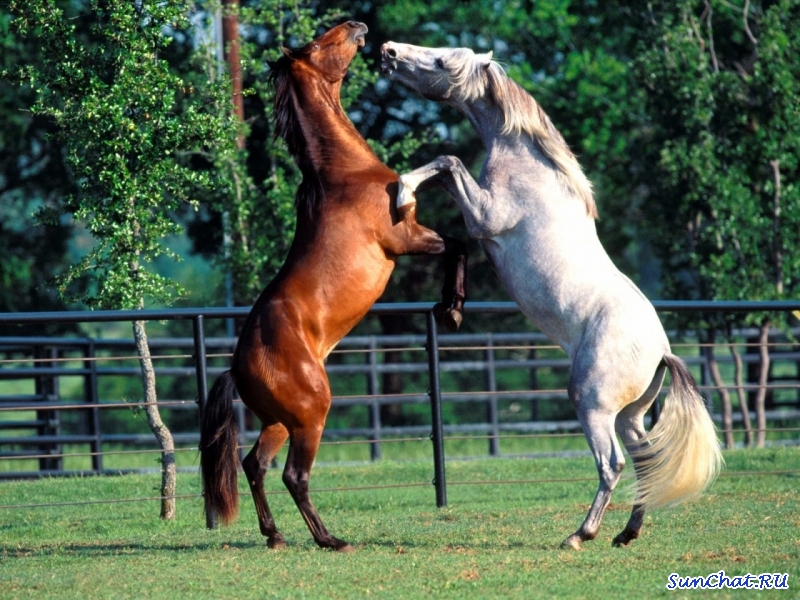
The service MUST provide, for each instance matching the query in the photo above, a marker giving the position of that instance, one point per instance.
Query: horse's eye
(439, 63)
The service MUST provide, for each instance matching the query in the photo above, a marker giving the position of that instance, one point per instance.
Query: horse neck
(332, 141)
(520, 152)
(486, 118)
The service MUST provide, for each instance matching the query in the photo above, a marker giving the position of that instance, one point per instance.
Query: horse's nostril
(391, 52)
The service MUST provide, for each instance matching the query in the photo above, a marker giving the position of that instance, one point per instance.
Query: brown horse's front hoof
(451, 318)
(339, 546)
(276, 542)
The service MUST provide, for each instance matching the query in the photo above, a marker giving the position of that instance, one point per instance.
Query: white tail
(681, 455)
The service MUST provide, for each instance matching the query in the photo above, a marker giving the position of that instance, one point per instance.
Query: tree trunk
(727, 412)
(163, 435)
(763, 375)
(737, 362)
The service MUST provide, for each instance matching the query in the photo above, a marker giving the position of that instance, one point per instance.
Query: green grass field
(494, 540)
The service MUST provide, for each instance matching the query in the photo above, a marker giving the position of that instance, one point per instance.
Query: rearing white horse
(533, 211)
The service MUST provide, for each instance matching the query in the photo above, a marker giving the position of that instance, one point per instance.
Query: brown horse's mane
(310, 195)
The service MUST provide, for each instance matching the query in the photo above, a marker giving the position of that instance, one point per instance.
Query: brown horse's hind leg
(255, 466)
(303, 446)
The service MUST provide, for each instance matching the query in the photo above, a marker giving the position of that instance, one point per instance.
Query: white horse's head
(460, 78)
(435, 73)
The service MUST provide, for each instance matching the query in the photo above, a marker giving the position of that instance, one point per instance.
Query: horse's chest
(513, 264)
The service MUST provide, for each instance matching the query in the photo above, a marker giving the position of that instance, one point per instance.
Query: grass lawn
(494, 540)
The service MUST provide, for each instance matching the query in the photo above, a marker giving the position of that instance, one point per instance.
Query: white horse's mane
(473, 75)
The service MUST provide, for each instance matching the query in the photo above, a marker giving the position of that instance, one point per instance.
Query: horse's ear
(287, 52)
(485, 59)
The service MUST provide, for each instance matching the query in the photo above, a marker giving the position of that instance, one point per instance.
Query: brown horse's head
(323, 61)
(331, 53)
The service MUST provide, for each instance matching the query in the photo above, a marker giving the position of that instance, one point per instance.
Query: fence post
(374, 406)
(201, 370)
(704, 372)
(92, 397)
(201, 373)
(50, 420)
(437, 429)
(533, 381)
(491, 408)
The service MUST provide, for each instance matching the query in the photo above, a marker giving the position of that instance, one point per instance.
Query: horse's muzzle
(388, 59)
(360, 34)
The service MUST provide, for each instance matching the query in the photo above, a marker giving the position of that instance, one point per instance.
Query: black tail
(219, 460)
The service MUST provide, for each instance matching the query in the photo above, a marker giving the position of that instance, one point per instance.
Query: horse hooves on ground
(573, 542)
(624, 538)
(276, 542)
(341, 546)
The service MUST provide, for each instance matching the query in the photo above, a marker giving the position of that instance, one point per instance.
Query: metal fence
(451, 370)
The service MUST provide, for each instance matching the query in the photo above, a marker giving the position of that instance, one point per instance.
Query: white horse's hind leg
(630, 428)
(598, 425)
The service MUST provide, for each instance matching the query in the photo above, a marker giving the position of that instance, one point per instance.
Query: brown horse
(348, 237)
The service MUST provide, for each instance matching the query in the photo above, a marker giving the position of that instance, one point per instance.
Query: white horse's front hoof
(405, 194)
(573, 542)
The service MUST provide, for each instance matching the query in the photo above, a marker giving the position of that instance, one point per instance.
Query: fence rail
(458, 359)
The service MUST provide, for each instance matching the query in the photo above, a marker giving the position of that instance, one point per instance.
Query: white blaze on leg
(405, 192)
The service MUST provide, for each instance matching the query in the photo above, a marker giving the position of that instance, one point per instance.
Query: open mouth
(388, 61)
(360, 39)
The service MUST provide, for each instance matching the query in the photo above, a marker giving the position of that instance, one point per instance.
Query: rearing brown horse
(348, 237)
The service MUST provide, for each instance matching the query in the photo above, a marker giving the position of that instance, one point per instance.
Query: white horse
(533, 211)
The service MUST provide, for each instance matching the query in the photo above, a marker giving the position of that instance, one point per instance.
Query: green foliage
(27, 254)
(130, 126)
(723, 104)
(31, 175)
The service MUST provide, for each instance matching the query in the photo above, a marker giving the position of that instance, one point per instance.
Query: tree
(32, 174)
(131, 127)
(723, 99)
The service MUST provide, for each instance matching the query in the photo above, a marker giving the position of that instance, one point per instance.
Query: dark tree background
(684, 116)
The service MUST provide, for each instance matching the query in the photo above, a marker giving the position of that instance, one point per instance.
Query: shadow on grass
(122, 548)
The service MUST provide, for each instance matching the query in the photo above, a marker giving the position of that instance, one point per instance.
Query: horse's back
(565, 283)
